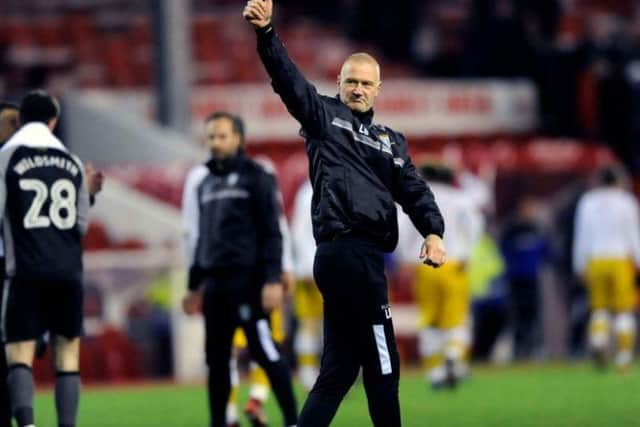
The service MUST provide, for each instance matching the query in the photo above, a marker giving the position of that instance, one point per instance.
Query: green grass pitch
(522, 396)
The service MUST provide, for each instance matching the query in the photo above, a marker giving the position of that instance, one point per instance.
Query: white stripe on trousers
(383, 350)
(266, 341)
(3, 313)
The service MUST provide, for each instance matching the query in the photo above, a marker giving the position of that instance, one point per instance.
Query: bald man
(359, 170)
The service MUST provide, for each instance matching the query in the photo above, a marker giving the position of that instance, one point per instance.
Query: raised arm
(299, 96)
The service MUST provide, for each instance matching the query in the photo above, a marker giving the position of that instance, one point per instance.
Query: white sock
(599, 329)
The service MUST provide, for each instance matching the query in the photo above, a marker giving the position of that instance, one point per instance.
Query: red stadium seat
(19, 33)
(116, 54)
(50, 33)
(97, 237)
(120, 357)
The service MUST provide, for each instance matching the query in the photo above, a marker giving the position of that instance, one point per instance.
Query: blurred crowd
(553, 277)
(583, 54)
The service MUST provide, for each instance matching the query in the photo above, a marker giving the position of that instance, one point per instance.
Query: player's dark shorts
(30, 308)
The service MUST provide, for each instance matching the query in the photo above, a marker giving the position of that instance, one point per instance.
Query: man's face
(8, 124)
(221, 139)
(359, 84)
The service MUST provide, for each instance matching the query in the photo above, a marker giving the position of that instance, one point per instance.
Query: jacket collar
(34, 135)
(366, 117)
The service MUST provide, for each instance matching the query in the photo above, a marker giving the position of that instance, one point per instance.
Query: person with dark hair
(39, 107)
(44, 202)
(237, 125)
(358, 171)
(234, 245)
(606, 253)
(9, 124)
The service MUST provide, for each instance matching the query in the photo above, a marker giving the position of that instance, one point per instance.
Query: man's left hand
(433, 252)
(192, 302)
(271, 296)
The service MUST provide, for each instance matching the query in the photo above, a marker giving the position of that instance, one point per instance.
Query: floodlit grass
(523, 396)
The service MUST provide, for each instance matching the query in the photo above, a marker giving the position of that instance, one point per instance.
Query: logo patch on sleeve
(387, 310)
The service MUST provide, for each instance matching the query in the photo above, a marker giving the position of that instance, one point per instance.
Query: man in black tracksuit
(358, 170)
(233, 236)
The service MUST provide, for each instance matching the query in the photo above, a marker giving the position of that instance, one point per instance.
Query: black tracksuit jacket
(358, 169)
(238, 221)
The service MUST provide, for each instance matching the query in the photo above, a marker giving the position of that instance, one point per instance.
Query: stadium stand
(582, 56)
